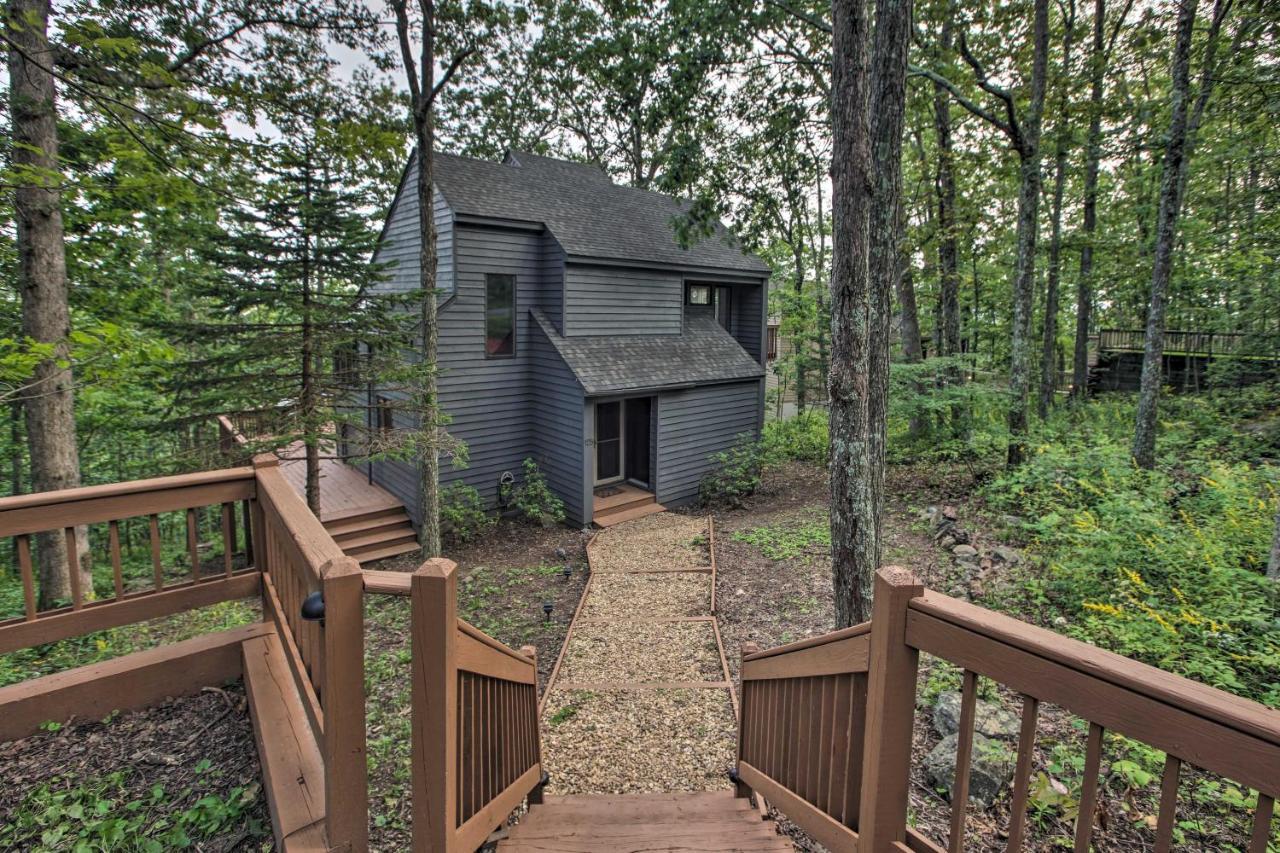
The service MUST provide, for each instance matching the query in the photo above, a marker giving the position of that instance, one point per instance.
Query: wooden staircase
(685, 822)
(376, 533)
(628, 503)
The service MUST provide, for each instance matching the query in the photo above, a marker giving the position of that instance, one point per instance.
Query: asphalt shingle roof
(606, 364)
(588, 214)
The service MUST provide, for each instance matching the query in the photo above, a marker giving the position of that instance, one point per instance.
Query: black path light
(313, 607)
(566, 571)
(547, 607)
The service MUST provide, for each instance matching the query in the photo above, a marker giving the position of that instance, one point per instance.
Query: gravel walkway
(608, 727)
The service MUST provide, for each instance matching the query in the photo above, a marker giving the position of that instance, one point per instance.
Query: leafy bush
(534, 498)
(735, 474)
(937, 413)
(1163, 566)
(462, 513)
(802, 438)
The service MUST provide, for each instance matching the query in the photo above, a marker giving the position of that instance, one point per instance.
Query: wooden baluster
(746, 724)
(857, 749)
(193, 544)
(157, 567)
(826, 737)
(23, 544)
(466, 744)
(1022, 774)
(530, 699)
(842, 738)
(228, 537)
(117, 570)
(1089, 788)
(73, 566)
(476, 700)
(813, 726)
(1258, 840)
(804, 737)
(434, 597)
(1168, 803)
(964, 755)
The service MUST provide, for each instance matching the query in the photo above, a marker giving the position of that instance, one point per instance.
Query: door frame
(596, 482)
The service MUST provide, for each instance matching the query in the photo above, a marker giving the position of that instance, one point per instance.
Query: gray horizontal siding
(558, 439)
(695, 424)
(749, 319)
(399, 246)
(609, 301)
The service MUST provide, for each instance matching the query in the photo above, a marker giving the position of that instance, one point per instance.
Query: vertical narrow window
(771, 348)
(499, 315)
(724, 306)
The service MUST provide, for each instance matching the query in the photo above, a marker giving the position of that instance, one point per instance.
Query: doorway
(622, 437)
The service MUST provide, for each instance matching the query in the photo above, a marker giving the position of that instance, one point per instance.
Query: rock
(1060, 621)
(947, 542)
(949, 513)
(989, 720)
(985, 564)
(1005, 554)
(990, 768)
(964, 552)
(1011, 520)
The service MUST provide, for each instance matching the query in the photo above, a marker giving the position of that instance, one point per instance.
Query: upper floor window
(699, 294)
(499, 315)
(386, 421)
(771, 346)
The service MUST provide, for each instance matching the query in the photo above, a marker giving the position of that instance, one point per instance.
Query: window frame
(688, 294)
(771, 342)
(514, 315)
(384, 415)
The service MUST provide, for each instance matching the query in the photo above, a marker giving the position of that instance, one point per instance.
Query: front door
(637, 443)
(608, 442)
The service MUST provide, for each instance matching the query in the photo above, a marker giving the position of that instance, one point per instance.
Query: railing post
(346, 789)
(535, 796)
(891, 698)
(740, 789)
(257, 532)
(434, 602)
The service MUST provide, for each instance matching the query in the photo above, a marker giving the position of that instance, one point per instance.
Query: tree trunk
(800, 344)
(309, 403)
(1093, 155)
(888, 106)
(912, 352)
(948, 254)
(1273, 562)
(1062, 139)
(853, 546)
(1025, 268)
(1144, 436)
(42, 280)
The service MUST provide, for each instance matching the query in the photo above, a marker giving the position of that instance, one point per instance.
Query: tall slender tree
(1183, 123)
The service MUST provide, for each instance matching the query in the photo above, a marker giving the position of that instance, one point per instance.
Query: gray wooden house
(576, 331)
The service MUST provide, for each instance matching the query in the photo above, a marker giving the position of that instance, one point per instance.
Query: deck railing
(476, 750)
(281, 552)
(1193, 343)
(794, 732)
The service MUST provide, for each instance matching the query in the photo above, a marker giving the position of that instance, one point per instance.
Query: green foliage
(735, 474)
(69, 813)
(802, 438)
(936, 413)
(1164, 566)
(790, 538)
(462, 513)
(534, 498)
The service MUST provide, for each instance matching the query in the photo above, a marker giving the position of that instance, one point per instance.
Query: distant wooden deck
(344, 491)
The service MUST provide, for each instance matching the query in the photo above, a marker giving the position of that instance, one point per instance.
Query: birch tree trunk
(853, 546)
(49, 402)
(1144, 436)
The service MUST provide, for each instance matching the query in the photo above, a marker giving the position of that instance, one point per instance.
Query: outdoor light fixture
(313, 607)
(566, 571)
(546, 609)
(562, 554)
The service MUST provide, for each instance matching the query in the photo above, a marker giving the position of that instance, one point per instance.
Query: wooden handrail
(1190, 722)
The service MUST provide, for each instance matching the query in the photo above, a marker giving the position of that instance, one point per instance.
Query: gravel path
(622, 734)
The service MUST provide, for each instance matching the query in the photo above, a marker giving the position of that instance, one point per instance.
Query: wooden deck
(366, 520)
(623, 502)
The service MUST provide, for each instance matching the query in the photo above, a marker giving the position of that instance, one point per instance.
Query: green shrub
(462, 513)
(534, 498)
(735, 474)
(802, 438)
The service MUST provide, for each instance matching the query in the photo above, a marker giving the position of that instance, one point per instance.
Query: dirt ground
(184, 769)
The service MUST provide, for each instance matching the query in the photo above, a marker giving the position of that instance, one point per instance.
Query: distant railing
(476, 749)
(796, 732)
(1193, 343)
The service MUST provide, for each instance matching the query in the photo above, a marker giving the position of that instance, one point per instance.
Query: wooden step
(386, 552)
(292, 767)
(627, 496)
(682, 822)
(354, 544)
(611, 518)
(367, 521)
